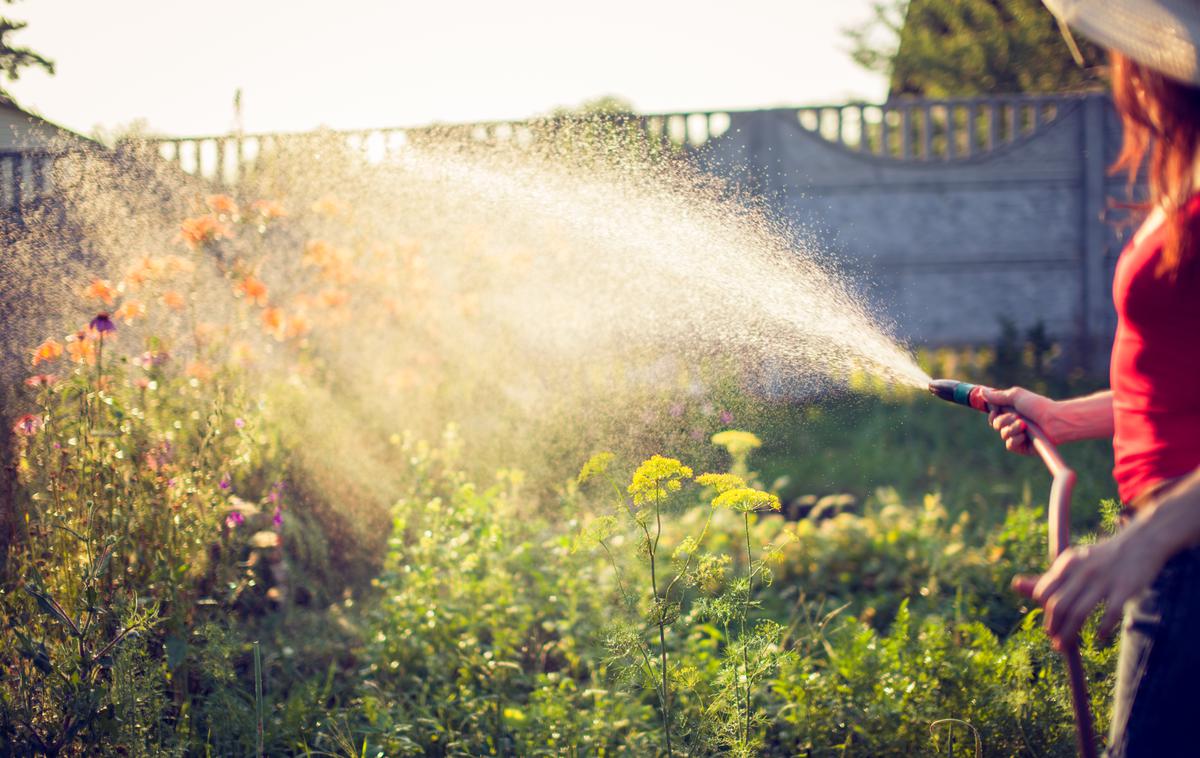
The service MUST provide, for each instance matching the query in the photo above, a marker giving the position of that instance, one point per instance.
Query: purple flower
(726, 417)
(239, 422)
(234, 519)
(277, 519)
(225, 482)
(677, 410)
(276, 492)
(102, 323)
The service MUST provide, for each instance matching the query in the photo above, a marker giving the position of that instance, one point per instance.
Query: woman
(1151, 567)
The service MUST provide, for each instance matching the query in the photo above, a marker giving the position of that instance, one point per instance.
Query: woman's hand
(1017, 404)
(1108, 572)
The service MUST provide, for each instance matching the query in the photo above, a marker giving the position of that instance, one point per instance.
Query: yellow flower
(657, 478)
(746, 500)
(721, 482)
(736, 442)
(595, 466)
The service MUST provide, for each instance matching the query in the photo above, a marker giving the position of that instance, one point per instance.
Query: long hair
(1161, 117)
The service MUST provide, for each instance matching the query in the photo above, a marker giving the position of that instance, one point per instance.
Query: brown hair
(1160, 116)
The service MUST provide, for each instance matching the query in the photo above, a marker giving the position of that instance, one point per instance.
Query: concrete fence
(952, 215)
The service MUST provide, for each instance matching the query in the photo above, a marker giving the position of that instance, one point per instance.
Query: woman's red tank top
(1155, 370)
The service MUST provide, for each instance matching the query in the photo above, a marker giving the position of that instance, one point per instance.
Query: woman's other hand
(1011, 407)
(1109, 572)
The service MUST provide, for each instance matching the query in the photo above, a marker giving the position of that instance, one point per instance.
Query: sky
(174, 66)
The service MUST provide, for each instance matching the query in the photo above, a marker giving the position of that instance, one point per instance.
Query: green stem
(746, 612)
(660, 607)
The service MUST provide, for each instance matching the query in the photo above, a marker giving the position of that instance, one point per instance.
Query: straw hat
(1161, 34)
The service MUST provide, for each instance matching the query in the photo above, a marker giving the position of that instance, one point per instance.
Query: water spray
(972, 396)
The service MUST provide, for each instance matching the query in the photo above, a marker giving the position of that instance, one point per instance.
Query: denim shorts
(1156, 706)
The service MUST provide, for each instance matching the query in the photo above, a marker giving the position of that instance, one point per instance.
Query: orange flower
(100, 289)
(222, 204)
(253, 289)
(297, 326)
(331, 297)
(202, 230)
(330, 206)
(81, 348)
(205, 331)
(174, 300)
(317, 253)
(130, 310)
(242, 353)
(143, 271)
(178, 265)
(273, 322)
(47, 351)
(268, 210)
(199, 370)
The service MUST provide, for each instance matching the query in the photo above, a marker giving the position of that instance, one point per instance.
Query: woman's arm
(1080, 418)
(1115, 570)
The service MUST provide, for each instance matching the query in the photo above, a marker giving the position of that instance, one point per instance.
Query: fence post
(1095, 291)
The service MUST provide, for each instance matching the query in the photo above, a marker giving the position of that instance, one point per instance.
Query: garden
(288, 479)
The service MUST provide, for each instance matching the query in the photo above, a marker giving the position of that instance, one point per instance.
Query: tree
(12, 58)
(956, 48)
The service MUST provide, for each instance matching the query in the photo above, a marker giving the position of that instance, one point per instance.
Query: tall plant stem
(660, 607)
(746, 612)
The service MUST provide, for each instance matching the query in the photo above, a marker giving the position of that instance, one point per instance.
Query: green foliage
(957, 48)
(149, 610)
(14, 58)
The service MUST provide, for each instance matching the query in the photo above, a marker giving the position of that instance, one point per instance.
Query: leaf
(101, 563)
(50, 607)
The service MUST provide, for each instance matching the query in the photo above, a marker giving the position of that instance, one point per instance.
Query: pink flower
(154, 358)
(225, 482)
(41, 380)
(277, 519)
(726, 417)
(28, 425)
(234, 519)
(239, 422)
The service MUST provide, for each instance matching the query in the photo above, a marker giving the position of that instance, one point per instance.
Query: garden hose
(972, 396)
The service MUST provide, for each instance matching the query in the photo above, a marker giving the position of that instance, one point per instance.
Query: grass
(918, 445)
